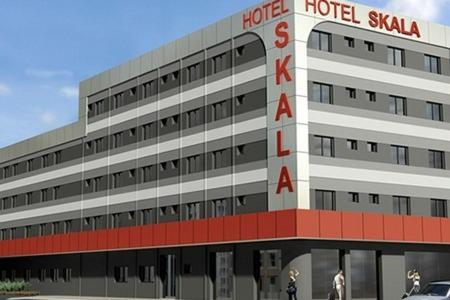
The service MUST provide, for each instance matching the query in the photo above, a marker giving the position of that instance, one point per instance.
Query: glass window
(322, 93)
(219, 208)
(364, 274)
(269, 271)
(353, 197)
(321, 41)
(352, 144)
(351, 93)
(325, 200)
(439, 208)
(432, 64)
(434, 111)
(147, 274)
(402, 205)
(350, 42)
(374, 198)
(121, 274)
(223, 279)
(168, 275)
(193, 211)
(399, 155)
(372, 147)
(436, 159)
(371, 96)
(396, 56)
(323, 146)
(397, 105)
(370, 46)
(325, 264)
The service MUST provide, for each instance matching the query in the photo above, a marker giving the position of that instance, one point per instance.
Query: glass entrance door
(168, 275)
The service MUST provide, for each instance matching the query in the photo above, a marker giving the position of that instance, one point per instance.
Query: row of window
(326, 200)
(324, 146)
(190, 211)
(323, 93)
(196, 71)
(50, 274)
(395, 56)
(212, 160)
(199, 116)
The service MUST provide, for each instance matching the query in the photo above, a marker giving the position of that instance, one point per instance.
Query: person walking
(292, 287)
(339, 284)
(415, 277)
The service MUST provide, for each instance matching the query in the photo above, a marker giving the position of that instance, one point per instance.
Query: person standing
(415, 277)
(292, 287)
(339, 284)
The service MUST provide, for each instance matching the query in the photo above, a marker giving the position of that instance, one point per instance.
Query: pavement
(42, 297)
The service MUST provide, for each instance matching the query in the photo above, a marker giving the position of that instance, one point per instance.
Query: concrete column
(347, 268)
(392, 275)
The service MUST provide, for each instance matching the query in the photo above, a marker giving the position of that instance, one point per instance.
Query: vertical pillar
(392, 275)
(246, 286)
(347, 268)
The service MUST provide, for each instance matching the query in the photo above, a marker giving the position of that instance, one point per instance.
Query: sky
(48, 46)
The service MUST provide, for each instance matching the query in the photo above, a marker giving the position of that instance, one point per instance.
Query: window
(324, 264)
(67, 274)
(149, 89)
(58, 157)
(396, 56)
(45, 161)
(148, 131)
(146, 217)
(146, 174)
(55, 228)
(241, 201)
(169, 275)
(42, 229)
(351, 93)
(325, 200)
(363, 274)
(323, 146)
(147, 274)
(193, 211)
(98, 145)
(117, 140)
(350, 42)
(27, 275)
(29, 165)
(13, 233)
(193, 118)
(13, 201)
(434, 111)
(439, 208)
(13, 276)
(67, 226)
(115, 180)
(42, 275)
(374, 199)
(397, 105)
(321, 41)
(353, 197)
(121, 274)
(401, 205)
(352, 144)
(219, 63)
(372, 147)
(5, 203)
(28, 198)
(436, 159)
(240, 100)
(193, 72)
(219, 159)
(220, 111)
(54, 274)
(371, 96)
(370, 46)
(118, 100)
(3, 234)
(44, 195)
(27, 231)
(240, 51)
(223, 266)
(56, 192)
(218, 208)
(240, 150)
(115, 220)
(399, 155)
(432, 64)
(322, 93)
(96, 184)
(15, 169)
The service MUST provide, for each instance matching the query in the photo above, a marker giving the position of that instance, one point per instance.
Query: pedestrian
(415, 277)
(292, 287)
(339, 284)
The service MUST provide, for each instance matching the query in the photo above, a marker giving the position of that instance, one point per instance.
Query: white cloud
(4, 90)
(47, 117)
(430, 10)
(46, 74)
(69, 91)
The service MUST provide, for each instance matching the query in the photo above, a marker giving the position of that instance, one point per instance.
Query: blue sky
(48, 47)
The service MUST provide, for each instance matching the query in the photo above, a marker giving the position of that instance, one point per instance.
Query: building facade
(298, 134)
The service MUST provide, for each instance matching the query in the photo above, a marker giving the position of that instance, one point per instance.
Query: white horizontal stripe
(210, 88)
(193, 186)
(377, 75)
(377, 176)
(213, 134)
(343, 120)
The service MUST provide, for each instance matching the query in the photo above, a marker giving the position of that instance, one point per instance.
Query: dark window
(42, 275)
(241, 201)
(324, 146)
(353, 197)
(397, 105)
(193, 164)
(193, 211)
(115, 180)
(44, 195)
(439, 208)
(371, 96)
(121, 274)
(372, 147)
(115, 220)
(436, 159)
(42, 229)
(352, 144)
(54, 274)
(396, 56)
(149, 89)
(325, 200)
(240, 150)
(351, 93)
(240, 51)
(29, 165)
(14, 169)
(146, 174)
(58, 157)
(67, 274)
(55, 228)
(325, 264)
(117, 140)
(350, 42)
(146, 217)
(219, 159)
(370, 46)
(364, 274)
(13, 201)
(399, 155)
(321, 41)
(432, 64)
(219, 208)
(27, 231)
(148, 131)
(193, 72)
(219, 63)
(67, 226)
(193, 118)
(45, 161)
(56, 192)
(147, 274)
(240, 100)
(98, 145)
(220, 110)
(322, 93)
(434, 111)
(118, 100)
(27, 275)
(28, 198)
(402, 205)
(374, 199)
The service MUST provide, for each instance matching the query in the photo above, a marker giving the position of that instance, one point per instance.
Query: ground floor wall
(234, 271)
